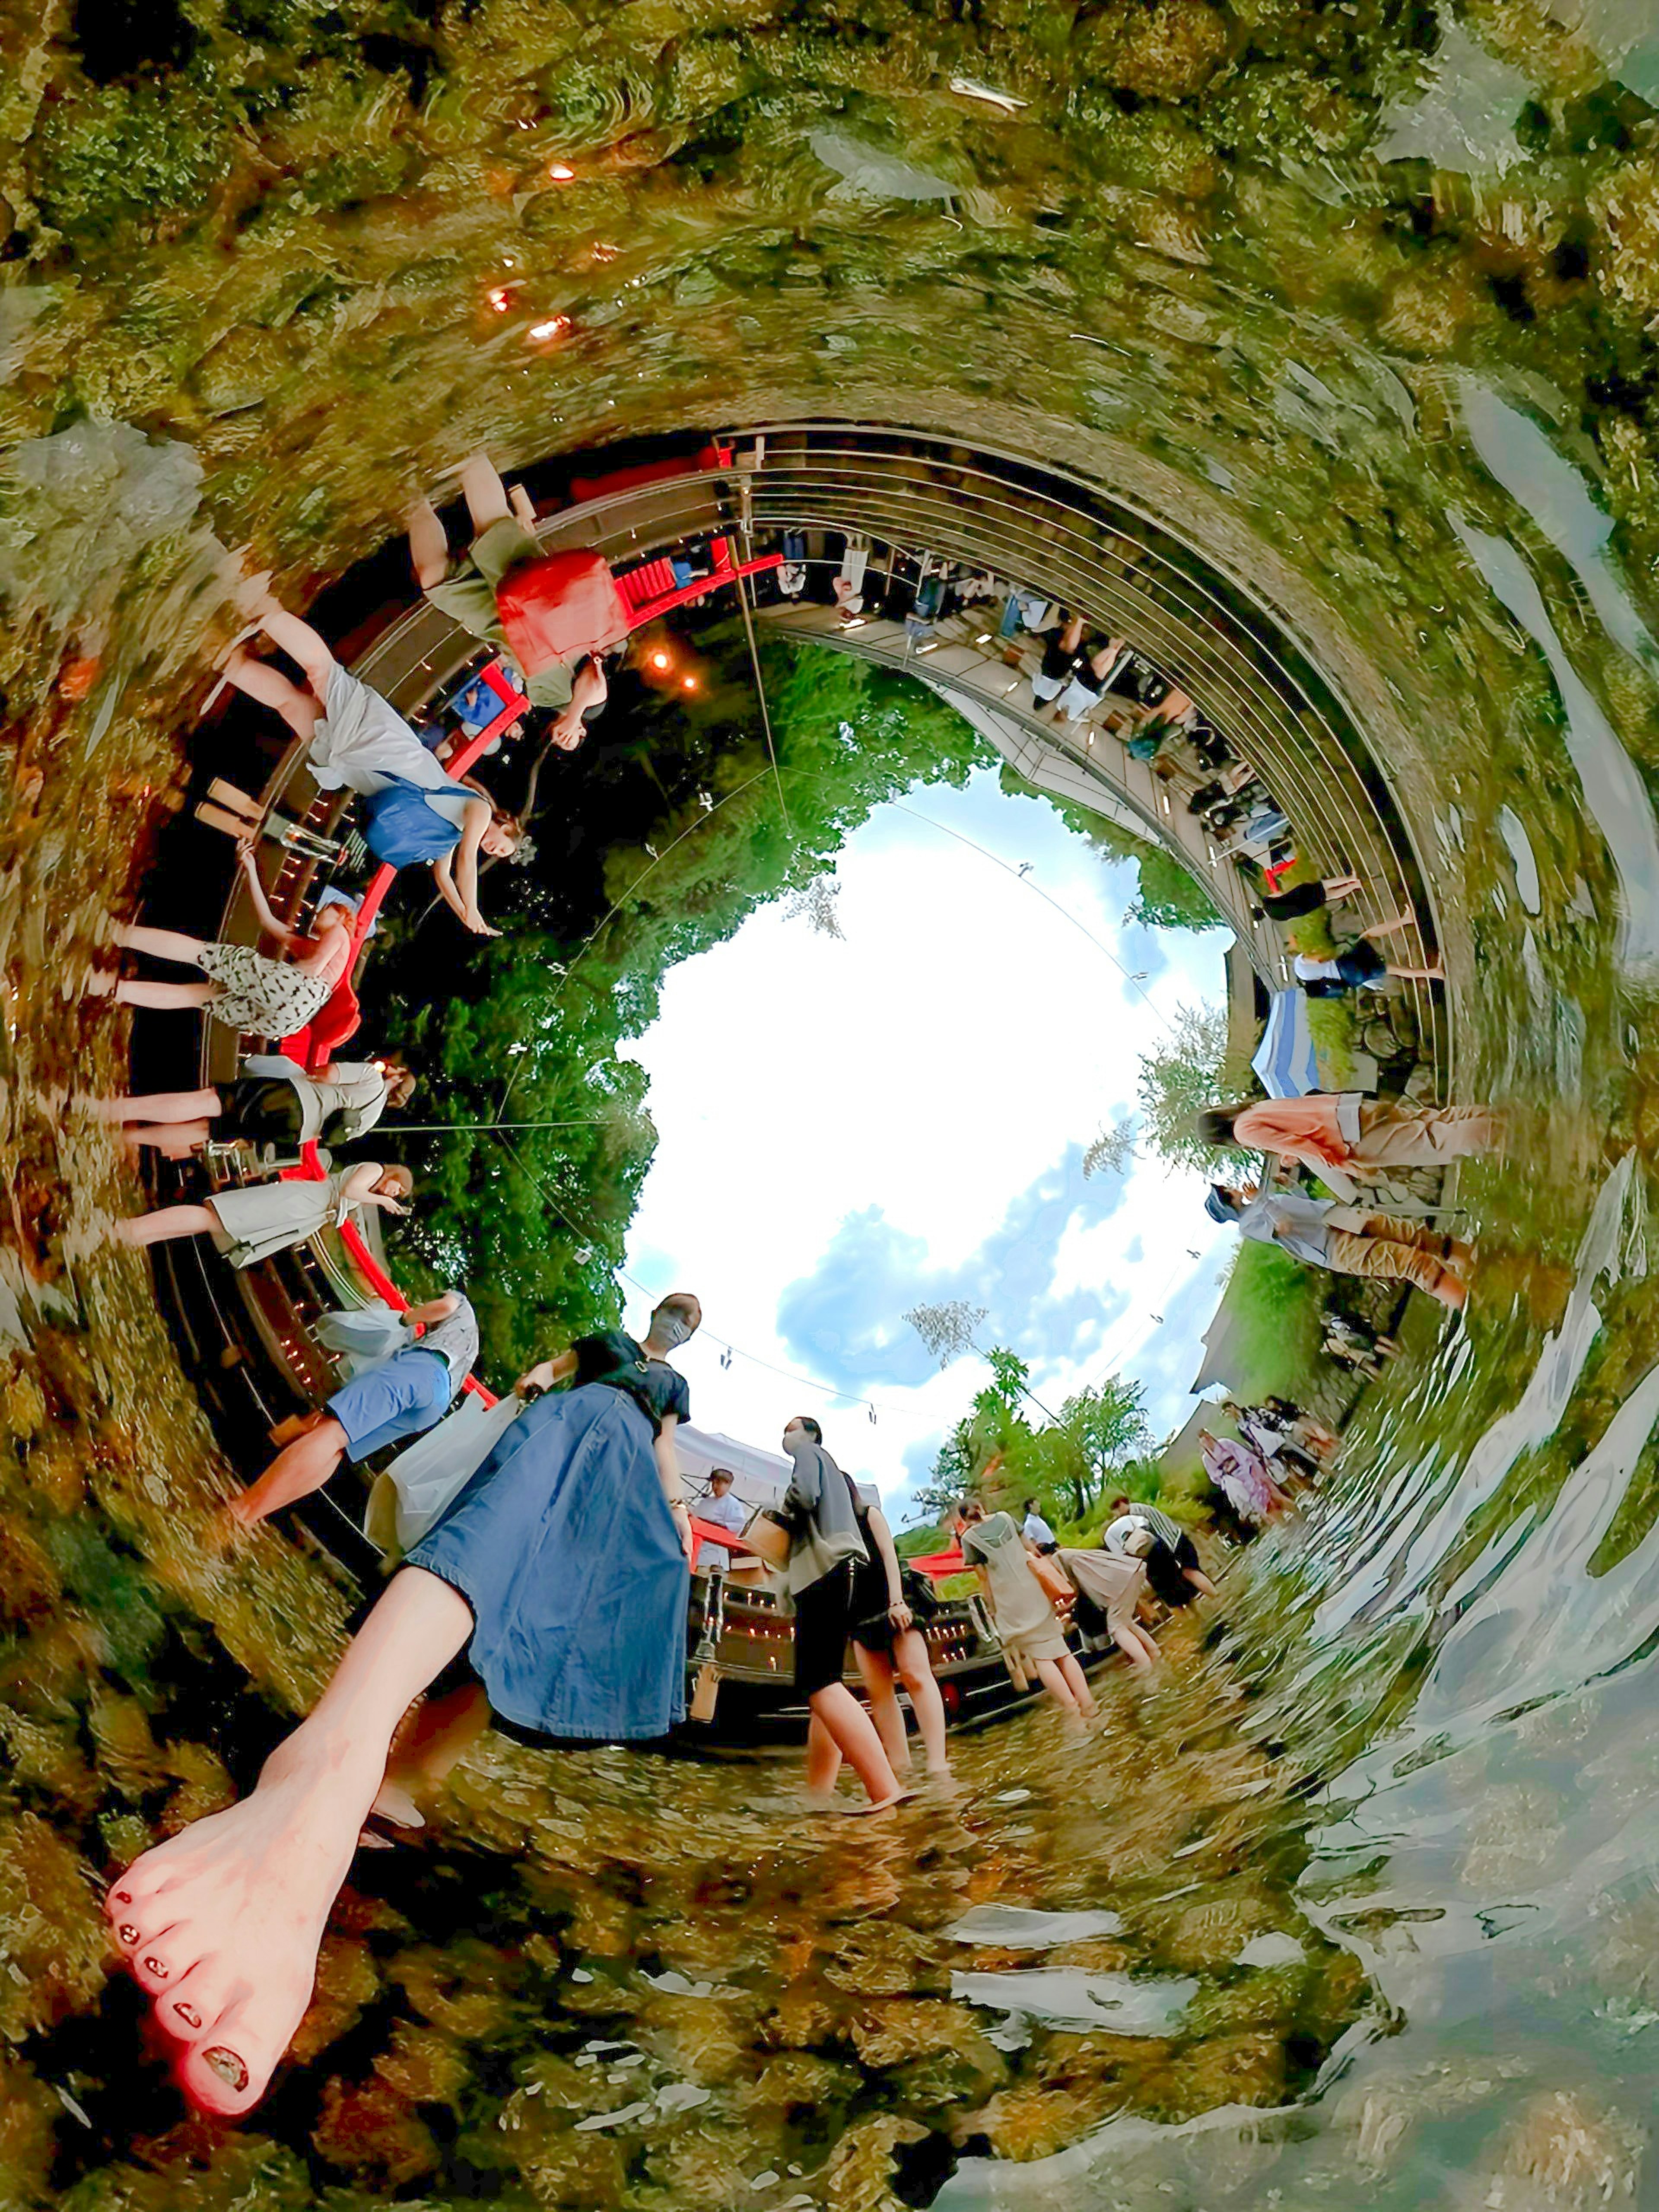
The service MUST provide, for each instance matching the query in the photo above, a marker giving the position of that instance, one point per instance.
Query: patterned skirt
(259, 996)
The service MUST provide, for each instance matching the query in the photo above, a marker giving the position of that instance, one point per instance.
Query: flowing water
(1362, 1903)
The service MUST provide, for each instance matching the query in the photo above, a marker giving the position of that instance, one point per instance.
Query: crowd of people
(539, 1573)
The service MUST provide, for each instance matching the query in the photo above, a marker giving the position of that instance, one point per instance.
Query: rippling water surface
(1362, 1903)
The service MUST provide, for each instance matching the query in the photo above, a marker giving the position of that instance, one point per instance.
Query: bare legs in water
(221, 1924)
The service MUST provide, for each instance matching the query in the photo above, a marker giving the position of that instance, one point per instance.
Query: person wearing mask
(1173, 1566)
(825, 1550)
(1036, 1530)
(387, 1403)
(559, 1570)
(1340, 1134)
(723, 1510)
(1349, 1240)
(1021, 1610)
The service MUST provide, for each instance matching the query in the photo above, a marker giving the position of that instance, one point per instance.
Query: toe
(200, 1995)
(159, 1961)
(224, 2068)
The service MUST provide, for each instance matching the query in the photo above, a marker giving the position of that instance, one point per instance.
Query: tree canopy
(1000, 1455)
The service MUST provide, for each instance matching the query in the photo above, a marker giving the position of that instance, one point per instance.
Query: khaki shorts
(467, 596)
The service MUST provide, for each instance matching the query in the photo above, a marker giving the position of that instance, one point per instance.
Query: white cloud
(965, 1036)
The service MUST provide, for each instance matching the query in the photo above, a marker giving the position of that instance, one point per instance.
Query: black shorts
(1047, 1550)
(1292, 905)
(824, 1620)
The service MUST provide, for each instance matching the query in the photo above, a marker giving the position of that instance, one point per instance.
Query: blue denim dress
(563, 1545)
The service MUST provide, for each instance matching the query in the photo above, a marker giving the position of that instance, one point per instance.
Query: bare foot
(221, 1925)
(851, 1806)
(393, 1803)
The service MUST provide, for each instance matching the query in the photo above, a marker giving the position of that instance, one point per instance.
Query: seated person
(555, 613)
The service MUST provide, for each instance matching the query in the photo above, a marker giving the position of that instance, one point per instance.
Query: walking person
(1242, 1477)
(1021, 1609)
(1115, 1581)
(1298, 900)
(1063, 654)
(1340, 1134)
(413, 810)
(244, 988)
(826, 1548)
(1184, 1575)
(275, 1105)
(889, 1648)
(1349, 1240)
(254, 1221)
(560, 1572)
(555, 613)
(387, 1403)
(1358, 963)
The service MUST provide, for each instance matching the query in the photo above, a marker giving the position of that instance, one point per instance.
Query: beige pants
(1385, 1246)
(1401, 1136)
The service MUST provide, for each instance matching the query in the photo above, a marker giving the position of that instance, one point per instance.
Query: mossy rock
(241, 370)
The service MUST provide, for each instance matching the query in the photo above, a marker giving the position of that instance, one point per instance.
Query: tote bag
(561, 607)
(421, 1482)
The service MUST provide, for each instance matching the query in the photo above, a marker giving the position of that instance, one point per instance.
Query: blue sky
(849, 1127)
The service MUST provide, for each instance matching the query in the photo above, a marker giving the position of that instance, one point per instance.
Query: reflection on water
(1359, 1904)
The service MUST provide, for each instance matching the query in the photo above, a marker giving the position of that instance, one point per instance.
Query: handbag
(919, 1595)
(771, 1536)
(1056, 1583)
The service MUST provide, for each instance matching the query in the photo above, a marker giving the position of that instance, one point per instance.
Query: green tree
(1170, 897)
(1178, 1078)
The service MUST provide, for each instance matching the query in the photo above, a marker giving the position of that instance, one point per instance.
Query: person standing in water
(560, 1571)
(889, 1648)
(1350, 1240)
(1340, 1134)
(391, 1401)
(1022, 1610)
(826, 1549)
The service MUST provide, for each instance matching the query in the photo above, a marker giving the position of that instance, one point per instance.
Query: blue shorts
(399, 1399)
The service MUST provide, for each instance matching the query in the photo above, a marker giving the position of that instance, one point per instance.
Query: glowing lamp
(554, 327)
(660, 660)
(690, 683)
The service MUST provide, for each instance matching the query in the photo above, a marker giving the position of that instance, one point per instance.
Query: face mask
(667, 1329)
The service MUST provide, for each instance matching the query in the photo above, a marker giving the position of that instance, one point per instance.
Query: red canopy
(940, 1564)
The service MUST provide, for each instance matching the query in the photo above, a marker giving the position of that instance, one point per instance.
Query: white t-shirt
(727, 1512)
(1036, 1529)
(1309, 971)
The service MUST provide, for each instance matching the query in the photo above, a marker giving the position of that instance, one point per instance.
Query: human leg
(1136, 1645)
(165, 1224)
(428, 546)
(876, 1671)
(1200, 1580)
(173, 945)
(300, 1468)
(1354, 1252)
(444, 1731)
(157, 1106)
(140, 991)
(822, 1758)
(222, 1922)
(302, 643)
(1416, 974)
(1390, 927)
(258, 679)
(176, 1139)
(915, 1671)
(484, 493)
(1054, 1682)
(854, 1734)
(1078, 1683)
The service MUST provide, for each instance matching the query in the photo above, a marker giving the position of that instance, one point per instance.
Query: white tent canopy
(760, 1478)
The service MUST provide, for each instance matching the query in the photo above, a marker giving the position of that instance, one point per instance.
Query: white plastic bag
(409, 1497)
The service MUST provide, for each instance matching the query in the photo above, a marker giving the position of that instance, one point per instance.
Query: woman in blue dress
(560, 1570)
(357, 741)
